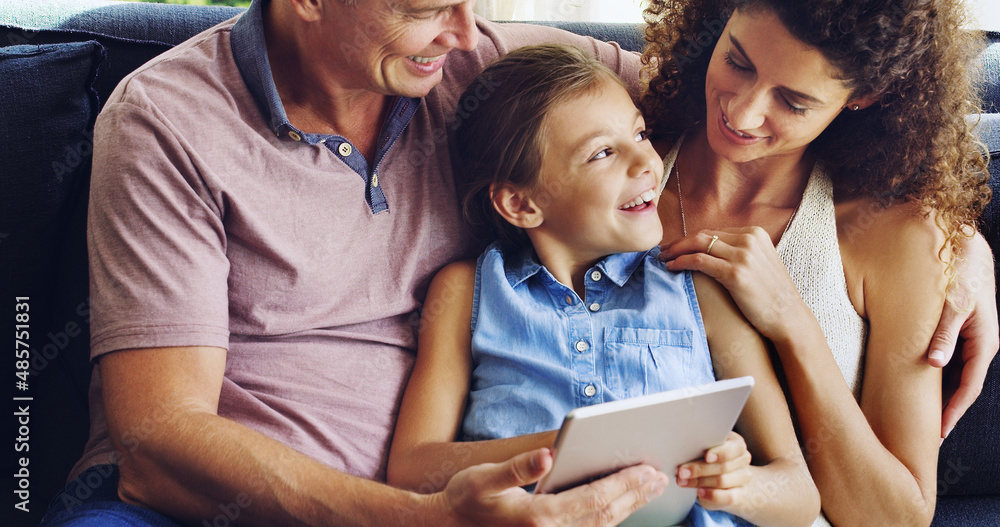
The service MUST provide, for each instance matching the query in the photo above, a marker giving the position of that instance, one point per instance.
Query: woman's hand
(720, 475)
(745, 262)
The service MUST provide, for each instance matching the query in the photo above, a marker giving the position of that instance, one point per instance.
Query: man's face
(396, 47)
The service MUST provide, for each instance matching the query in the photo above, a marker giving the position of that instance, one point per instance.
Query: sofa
(59, 60)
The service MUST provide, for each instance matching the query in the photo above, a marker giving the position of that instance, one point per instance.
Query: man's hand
(969, 317)
(490, 494)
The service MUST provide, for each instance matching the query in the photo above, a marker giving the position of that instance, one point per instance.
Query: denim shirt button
(595, 276)
(582, 346)
(590, 390)
(569, 300)
(595, 306)
(375, 179)
(294, 135)
(344, 149)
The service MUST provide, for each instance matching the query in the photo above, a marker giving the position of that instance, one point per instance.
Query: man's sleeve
(157, 246)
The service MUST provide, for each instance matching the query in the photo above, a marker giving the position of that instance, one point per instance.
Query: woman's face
(768, 94)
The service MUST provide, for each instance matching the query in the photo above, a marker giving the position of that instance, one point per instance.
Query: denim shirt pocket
(640, 361)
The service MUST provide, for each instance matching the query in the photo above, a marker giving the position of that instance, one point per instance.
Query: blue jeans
(92, 500)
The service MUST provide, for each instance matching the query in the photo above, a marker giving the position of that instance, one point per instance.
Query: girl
(570, 306)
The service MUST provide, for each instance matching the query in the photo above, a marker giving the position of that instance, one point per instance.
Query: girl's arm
(424, 452)
(779, 490)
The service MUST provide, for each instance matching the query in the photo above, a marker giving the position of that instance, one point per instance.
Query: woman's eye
(795, 109)
(642, 136)
(728, 58)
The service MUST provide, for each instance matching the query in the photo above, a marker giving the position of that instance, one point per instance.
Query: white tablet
(662, 429)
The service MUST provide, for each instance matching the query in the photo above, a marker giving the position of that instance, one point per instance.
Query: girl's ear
(516, 206)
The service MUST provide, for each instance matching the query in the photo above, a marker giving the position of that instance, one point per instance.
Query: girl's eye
(642, 136)
(728, 58)
(602, 154)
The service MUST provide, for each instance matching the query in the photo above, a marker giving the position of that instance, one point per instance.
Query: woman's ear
(860, 103)
(516, 206)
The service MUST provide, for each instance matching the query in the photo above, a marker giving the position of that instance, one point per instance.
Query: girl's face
(767, 93)
(599, 175)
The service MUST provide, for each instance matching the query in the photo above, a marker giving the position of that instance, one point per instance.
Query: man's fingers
(973, 376)
(523, 469)
(945, 336)
(612, 499)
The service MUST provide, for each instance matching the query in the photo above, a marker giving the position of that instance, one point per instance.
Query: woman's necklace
(680, 202)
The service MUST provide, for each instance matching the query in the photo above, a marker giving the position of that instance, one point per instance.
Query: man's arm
(970, 316)
(179, 457)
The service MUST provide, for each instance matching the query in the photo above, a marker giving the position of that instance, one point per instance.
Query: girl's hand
(720, 475)
(745, 262)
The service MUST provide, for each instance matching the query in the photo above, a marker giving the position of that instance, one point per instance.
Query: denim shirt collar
(617, 267)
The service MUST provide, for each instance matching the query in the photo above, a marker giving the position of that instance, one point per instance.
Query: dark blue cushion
(972, 511)
(47, 109)
(991, 73)
(47, 106)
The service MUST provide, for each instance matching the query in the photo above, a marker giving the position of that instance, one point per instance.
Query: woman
(833, 127)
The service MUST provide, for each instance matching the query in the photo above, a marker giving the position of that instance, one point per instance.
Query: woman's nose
(745, 111)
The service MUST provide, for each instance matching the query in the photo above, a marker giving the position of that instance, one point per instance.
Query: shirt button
(344, 149)
(582, 346)
(590, 390)
(375, 179)
(569, 299)
(595, 276)
(595, 306)
(294, 135)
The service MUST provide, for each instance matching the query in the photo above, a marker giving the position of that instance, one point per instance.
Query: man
(269, 201)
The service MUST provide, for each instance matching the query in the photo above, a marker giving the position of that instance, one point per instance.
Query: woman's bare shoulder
(884, 249)
(865, 227)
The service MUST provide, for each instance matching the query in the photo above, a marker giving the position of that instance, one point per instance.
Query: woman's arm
(780, 490)
(895, 270)
(425, 453)
(874, 463)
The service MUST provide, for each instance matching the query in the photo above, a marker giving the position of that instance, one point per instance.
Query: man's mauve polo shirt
(215, 222)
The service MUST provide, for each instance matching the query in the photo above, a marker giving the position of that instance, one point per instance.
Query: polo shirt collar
(250, 54)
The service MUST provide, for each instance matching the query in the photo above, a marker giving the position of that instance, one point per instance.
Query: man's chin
(408, 85)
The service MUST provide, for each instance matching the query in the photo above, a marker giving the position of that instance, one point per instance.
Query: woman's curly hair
(915, 144)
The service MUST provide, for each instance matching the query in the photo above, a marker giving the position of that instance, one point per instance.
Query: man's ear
(308, 10)
(516, 206)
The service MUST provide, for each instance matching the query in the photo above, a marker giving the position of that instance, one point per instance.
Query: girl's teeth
(422, 60)
(643, 198)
